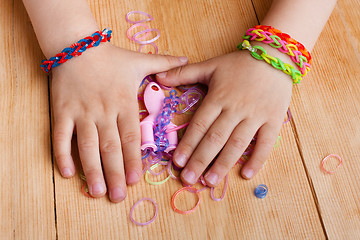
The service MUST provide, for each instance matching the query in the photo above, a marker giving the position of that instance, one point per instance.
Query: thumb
(188, 74)
(160, 63)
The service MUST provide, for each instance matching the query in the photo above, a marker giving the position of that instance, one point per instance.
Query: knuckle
(199, 126)
(266, 142)
(110, 146)
(92, 173)
(215, 137)
(171, 60)
(201, 163)
(87, 144)
(223, 166)
(61, 158)
(59, 136)
(258, 162)
(238, 143)
(130, 137)
(185, 147)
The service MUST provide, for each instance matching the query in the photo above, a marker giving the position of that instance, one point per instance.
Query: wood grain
(27, 202)
(327, 115)
(303, 202)
(7, 82)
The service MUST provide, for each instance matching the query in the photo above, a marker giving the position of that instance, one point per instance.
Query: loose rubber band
(135, 26)
(261, 191)
(85, 190)
(331, 156)
(152, 44)
(146, 31)
(223, 193)
(150, 18)
(277, 143)
(177, 193)
(151, 220)
(155, 183)
(289, 116)
(177, 128)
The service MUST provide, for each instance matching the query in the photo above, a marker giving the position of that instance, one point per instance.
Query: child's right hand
(96, 96)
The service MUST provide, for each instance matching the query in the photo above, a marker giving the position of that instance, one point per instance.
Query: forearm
(59, 23)
(302, 20)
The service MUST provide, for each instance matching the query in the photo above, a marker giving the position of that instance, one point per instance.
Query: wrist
(54, 43)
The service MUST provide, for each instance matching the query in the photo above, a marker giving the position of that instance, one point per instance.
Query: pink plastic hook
(154, 100)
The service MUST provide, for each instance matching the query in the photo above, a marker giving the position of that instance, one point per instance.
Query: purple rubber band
(151, 220)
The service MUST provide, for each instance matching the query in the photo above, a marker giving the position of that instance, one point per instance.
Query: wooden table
(303, 201)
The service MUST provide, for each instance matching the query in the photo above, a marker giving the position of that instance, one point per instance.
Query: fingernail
(248, 173)
(66, 172)
(117, 194)
(132, 177)
(212, 178)
(180, 160)
(96, 189)
(183, 59)
(161, 75)
(188, 176)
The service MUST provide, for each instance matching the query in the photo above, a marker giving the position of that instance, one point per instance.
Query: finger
(234, 148)
(112, 160)
(128, 123)
(188, 74)
(88, 144)
(209, 147)
(265, 141)
(63, 132)
(199, 125)
(159, 63)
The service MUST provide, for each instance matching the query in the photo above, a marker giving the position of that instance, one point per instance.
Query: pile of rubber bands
(186, 103)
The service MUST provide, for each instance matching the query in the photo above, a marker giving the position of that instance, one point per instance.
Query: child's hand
(245, 97)
(96, 95)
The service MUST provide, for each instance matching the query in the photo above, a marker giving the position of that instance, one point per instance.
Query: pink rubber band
(330, 156)
(134, 26)
(146, 31)
(223, 193)
(289, 116)
(150, 18)
(151, 220)
(152, 44)
(177, 128)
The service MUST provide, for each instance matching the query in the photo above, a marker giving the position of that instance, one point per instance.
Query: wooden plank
(32, 187)
(327, 114)
(7, 82)
(349, 12)
(200, 31)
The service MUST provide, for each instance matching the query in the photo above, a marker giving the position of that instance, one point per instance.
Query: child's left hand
(245, 97)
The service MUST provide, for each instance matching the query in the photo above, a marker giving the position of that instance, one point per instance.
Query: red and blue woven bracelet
(76, 49)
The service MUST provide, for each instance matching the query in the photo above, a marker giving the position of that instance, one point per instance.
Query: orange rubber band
(193, 190)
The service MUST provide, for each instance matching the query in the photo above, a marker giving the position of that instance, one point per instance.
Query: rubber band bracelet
(76, 49)
(287, 38)
(273, 61)
(283, 46)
